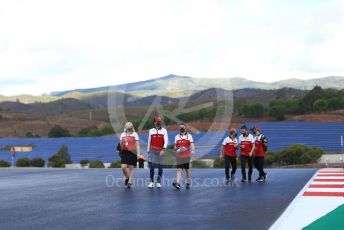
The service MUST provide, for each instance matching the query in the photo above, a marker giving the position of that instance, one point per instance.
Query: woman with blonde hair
(130, 148)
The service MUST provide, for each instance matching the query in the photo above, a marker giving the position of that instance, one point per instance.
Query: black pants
(230, 161)
(243, 160)
(141, 163)
(259, 164)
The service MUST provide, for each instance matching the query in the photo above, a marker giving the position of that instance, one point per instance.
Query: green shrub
(94, 131)
(64, 153)
(107, 130)
(23, 162)
(293, 105)
(31, 135)
(37, 162)
(56, 161)
(84, 162)
(277, 112)
(219, 163)
(270, 158)
(298, 154)
(277, 102)
(254, 110)
(199, 164)
(96, 164)
(58, 131)
(202, 114)
(115, 164)
(320, 105)
(342, 103)
(334, 103)
(4, 164)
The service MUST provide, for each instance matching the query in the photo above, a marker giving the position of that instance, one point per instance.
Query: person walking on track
(228, 152)
(261, 143)
(184, 147)
(129, 148)
(246, 143)
(157, 143)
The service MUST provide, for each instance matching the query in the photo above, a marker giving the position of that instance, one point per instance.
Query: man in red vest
(157, 143)
(246, 143)
(184, 147)
(259, 152)
(228, 151)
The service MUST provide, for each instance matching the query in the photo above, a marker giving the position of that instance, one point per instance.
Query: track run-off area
(97, 199)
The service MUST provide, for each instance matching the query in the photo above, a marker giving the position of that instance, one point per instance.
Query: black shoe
(243, 180)
(265, 176)
(227, 178)
(187, 186)
(128, 185)
(249, 178)
(259, 179)
(126, 182)
(176, 185)
(232, 177)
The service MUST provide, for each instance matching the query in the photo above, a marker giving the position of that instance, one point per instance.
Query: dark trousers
(243, 160)
(230, 161)
(141, 163)
(259, 164)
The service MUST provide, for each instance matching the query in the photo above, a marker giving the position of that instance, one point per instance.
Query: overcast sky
(48, 45)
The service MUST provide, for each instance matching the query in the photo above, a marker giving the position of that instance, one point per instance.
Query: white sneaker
(150, 185)
(158, 185)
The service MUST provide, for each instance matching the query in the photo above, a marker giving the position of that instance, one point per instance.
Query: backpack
(264, 141)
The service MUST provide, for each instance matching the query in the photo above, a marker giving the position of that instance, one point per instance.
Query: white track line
(303, 210)
(325, 189)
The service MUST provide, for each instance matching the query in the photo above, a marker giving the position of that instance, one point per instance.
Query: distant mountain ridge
(65, 105)
(177, 86)
(181, 83)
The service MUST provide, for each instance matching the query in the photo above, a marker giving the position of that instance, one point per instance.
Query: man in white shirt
(246, 144)
(157, 143)
(184, 147)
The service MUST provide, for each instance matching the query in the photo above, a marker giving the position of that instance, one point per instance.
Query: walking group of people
(252, 150)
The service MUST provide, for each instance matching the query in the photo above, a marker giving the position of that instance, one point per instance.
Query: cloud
(57, 45)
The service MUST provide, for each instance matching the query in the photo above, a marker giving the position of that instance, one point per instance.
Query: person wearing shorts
(228, 152)
(129, 149)
(184, 146)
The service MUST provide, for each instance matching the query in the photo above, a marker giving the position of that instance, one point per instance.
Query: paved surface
(87, 199)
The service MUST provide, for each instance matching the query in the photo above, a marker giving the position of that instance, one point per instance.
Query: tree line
(315, 101)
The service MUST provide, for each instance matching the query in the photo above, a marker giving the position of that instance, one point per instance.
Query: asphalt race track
(89, 199)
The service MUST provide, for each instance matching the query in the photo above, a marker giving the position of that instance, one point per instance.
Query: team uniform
(183, 153)
(259, 154)
(229, 152)
(246, 144)
(157, 141)
(128, 152)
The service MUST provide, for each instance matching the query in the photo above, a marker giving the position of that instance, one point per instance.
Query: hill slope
(182, 83)
(174, 86)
